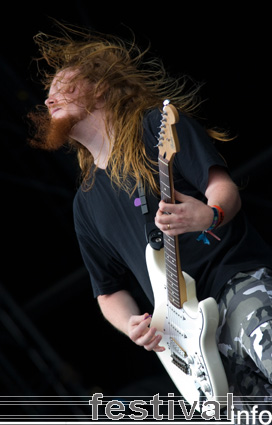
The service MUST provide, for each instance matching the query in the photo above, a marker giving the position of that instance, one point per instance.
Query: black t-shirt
(110, 228)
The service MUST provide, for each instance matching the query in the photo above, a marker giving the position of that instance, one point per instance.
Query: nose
(49, 101)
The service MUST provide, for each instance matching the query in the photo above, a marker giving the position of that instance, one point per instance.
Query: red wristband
(221, 214)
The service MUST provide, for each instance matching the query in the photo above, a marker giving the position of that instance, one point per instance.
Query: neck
(91, 133)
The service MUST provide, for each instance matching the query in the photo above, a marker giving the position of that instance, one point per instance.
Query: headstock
(168, 141)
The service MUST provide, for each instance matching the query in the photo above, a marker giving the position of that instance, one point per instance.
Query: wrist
(218, 217)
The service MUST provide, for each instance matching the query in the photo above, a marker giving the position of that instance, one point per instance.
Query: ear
(100, 89)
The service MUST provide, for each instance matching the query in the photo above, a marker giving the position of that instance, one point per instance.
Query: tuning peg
(159, 142)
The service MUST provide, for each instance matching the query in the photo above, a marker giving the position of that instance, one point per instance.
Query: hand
(190, 215)
(140, 333)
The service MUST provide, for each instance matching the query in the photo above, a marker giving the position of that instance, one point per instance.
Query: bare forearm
(192, 215)
(230, 205)
(118, 308)
(223, 192)
(121, 310)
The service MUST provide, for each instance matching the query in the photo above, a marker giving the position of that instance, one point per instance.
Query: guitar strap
(153, 234)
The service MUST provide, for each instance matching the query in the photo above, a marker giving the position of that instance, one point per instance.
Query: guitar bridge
(181, 364)
(177, 354)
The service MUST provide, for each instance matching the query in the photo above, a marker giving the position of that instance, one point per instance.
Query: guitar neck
(176, 286)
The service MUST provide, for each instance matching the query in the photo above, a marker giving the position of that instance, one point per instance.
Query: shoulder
(79, 196)
(190, 132)
(78, 202)
(82, 202)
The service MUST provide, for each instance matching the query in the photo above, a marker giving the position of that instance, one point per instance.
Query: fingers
(168, 213)
(166, 222)
(166, 208)
(173, 208)
(141, 333)
(175, 219)
(139, 325)
(170, 208)
(180, 197)
(154, 344)
(150, 341)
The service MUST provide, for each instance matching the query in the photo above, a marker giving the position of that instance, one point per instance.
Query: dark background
(53, 340)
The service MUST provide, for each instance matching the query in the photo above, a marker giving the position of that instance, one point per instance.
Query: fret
(171, 258)
(172, 276)
(173, 300)
(172, 290)
(165, 189)
(172, 265)
(170, 249)
(172, 271)
(170, 242)
(166, 197)
(172, 279)
(164, 173)
(162, 161)
(174, 284)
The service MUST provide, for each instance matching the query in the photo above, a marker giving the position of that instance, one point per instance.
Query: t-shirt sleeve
(197, 153)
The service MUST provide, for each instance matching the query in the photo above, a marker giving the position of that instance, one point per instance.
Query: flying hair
(130, 82)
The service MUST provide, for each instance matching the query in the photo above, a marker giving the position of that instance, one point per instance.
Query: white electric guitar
(188, 327)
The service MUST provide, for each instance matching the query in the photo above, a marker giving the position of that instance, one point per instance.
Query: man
(104, 99)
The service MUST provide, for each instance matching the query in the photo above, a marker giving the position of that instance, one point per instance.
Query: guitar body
(191, 356)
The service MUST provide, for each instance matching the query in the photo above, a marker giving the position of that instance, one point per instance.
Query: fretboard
(176, 286)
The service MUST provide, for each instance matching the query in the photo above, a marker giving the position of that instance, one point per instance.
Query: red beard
(51, 134)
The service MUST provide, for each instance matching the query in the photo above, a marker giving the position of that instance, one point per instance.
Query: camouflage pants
(245, 336)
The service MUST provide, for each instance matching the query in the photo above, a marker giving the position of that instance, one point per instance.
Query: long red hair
(129, 83)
